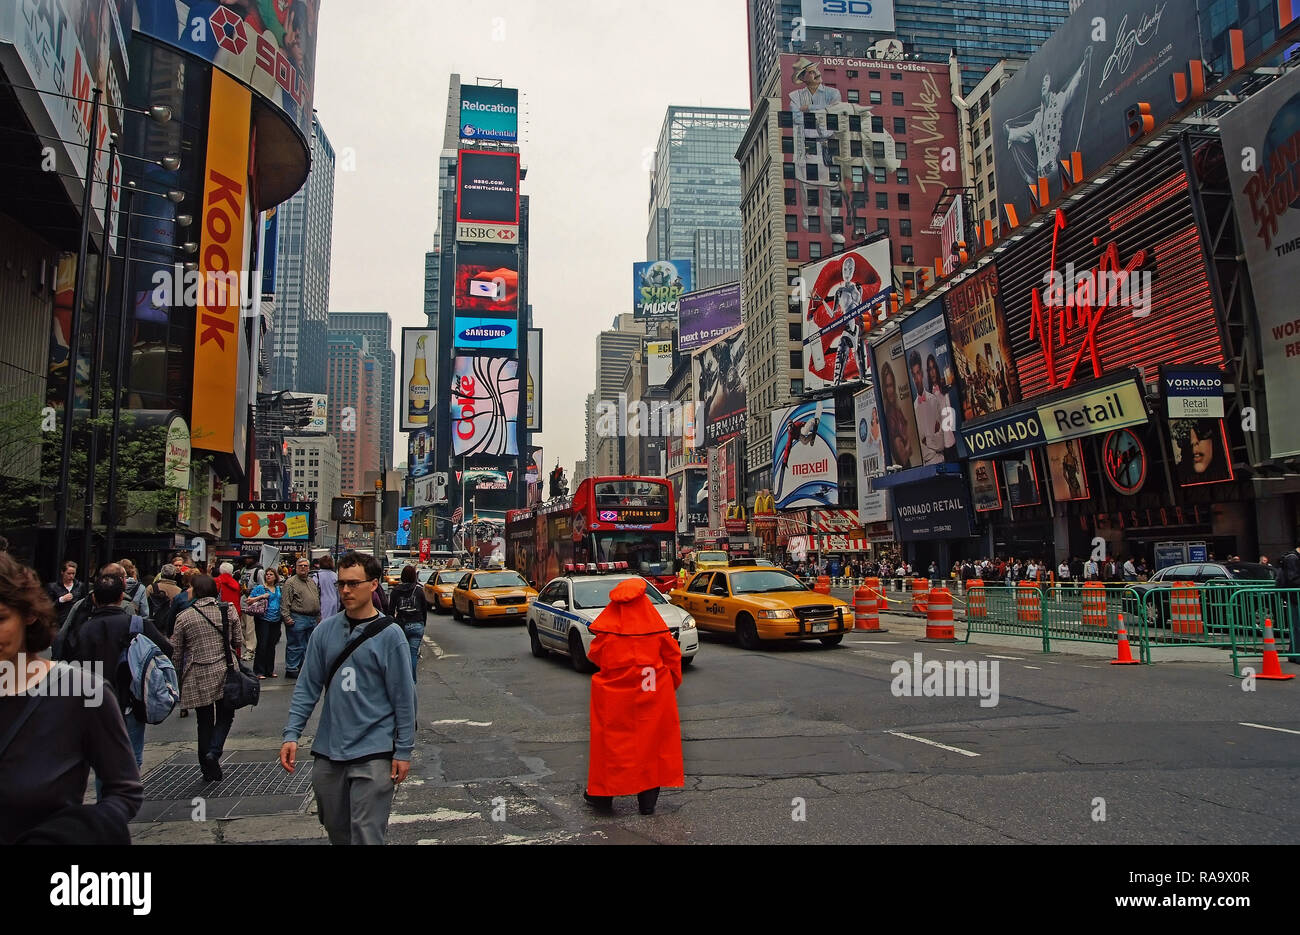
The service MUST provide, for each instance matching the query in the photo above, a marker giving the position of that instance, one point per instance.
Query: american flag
(457, 515)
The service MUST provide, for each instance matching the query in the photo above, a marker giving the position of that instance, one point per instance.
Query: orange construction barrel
(976, 603)
(920, 588)
(866, 606)
(1185, 609)
(938, 616)
(823, 585)
(1027, 607)
(1094, 604)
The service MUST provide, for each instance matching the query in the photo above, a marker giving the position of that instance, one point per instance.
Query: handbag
(241, 688)
(257, 606)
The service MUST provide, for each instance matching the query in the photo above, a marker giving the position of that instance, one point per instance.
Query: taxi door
(695, 597)
(715, 603)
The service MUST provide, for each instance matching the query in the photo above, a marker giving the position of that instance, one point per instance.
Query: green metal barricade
(1251, 607)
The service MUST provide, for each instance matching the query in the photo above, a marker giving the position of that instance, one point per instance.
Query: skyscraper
(377, 327)
(302, 279)
(695, 192)
(351, 378)
(981, 31)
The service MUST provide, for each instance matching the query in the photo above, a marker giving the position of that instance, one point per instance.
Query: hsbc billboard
(471, 232)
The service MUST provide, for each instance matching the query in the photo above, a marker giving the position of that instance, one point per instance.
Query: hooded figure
(636, 738)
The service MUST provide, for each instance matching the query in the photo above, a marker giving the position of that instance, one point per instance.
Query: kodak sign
(217, 314)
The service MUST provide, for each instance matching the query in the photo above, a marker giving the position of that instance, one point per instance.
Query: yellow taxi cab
(491, 595)
(759, 602)
(437, 590)
(707, 561)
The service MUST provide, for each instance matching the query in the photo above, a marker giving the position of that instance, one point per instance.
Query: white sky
(595, 80)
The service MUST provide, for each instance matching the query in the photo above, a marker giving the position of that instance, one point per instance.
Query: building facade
(377, 328)
(315, 469)
(304, 234)
(978, 150)
(695, 192)
(353, 417)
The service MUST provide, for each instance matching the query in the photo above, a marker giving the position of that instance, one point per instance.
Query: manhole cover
(253, 783)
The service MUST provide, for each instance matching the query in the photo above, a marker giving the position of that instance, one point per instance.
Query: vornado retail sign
(1004, 435)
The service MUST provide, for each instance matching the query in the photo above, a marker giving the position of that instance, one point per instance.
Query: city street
(802, 744)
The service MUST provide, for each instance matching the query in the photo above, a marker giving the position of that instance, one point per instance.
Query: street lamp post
(110, 519)
(74, 343)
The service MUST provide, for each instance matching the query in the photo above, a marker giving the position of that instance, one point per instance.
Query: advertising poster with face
(934, 384)
(841, 297)
(899, 421)
(873, 505)
(1065, 464)
(1200, 451)
(1021, 476)
(719, 371)
(981, 345)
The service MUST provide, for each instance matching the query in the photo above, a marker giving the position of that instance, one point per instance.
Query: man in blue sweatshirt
(366, 733)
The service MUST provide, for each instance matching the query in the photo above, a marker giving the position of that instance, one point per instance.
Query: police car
(559, 618)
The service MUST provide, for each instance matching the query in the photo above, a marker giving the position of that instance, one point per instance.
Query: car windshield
(500, 579)
(450, 577)
(711, 557)
(424, 574)
(763, 581)
(595, 593)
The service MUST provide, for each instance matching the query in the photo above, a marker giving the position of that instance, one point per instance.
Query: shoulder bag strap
(373, 629)
(225, 630)
(23, 715)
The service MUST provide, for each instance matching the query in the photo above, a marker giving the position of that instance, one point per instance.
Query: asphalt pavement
(799, 743)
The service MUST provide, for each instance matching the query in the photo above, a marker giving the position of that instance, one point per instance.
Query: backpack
(154, 685)
(407, 606)
(158, 601)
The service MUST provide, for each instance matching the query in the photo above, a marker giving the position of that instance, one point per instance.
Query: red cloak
(636, 738)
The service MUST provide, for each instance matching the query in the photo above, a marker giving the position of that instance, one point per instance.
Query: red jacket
(228, 589)
(636, 737)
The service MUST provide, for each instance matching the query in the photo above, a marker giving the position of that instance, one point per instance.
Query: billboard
(477, 333)
(419, 374)
(271, 47)
(404, 526)
(431, 490)
(840, 297)
(981, 345)
(693, 507)
(1065, 467)
(1268, 216)
(706, 315)
(218, 322)
(1200, 451)
(269, 521)
(952, 233)
(1076, 91)
(659, 362)
(419, 453)
(487, 278)
(934, 385)
(873, 505)
(804, 467)
(489, 113)
(1021, 475)
(873, 15)
(718, 371)
(714, 496)
(986, 495)
(658, 287)
(534, 401)
(1119, 280)
(487, 187)
(902, 445)
(484, 406)
(319, 413)
(476, 479)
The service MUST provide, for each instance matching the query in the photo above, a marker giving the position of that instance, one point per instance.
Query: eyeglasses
(345, 585)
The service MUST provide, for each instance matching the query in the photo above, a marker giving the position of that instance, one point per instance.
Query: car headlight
(784, 613)
(486, 601)
(688, 623)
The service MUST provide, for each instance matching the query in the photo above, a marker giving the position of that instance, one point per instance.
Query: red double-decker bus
(607, 519)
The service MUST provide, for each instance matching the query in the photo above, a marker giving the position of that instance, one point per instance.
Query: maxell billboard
(1079, 90)
(1260, 139)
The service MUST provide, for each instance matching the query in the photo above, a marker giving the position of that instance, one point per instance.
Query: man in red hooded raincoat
(636, 738)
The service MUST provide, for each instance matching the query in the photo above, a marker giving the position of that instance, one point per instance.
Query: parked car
(1154, 593)
(759, 603)
(560, 618)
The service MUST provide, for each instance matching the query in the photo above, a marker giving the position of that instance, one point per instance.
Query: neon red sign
(1080, 301)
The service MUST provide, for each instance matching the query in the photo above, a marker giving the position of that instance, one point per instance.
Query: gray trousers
(354, 799)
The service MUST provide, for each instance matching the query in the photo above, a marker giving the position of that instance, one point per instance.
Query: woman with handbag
(263, 603)
(207, 634)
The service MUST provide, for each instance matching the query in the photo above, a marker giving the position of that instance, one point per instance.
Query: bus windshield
(631, 493)
(646, 553)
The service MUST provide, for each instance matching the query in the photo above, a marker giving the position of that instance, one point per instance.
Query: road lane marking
(876, 643)
(437, 650)
(1016, 658)
(932, 743)
(1283, 730)
(1031, 667)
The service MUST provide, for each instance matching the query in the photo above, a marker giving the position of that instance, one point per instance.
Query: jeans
(268, 637)
(414, 635)
(354, 799)
(135, 731)
(214, 722)
(295, 646)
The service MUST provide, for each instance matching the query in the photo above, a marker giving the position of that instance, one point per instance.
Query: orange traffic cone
(1125, 655)
(1272, 666)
